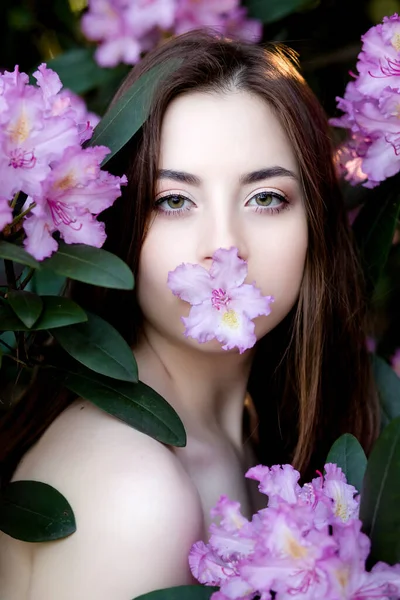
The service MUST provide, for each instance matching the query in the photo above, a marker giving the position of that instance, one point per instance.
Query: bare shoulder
(137, 511)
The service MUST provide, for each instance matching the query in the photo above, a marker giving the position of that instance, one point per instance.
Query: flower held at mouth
(223, 306)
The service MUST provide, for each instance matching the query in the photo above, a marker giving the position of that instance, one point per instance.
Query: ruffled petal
(191, 283)
(235, 329)
(248, 299)
(201, 323)
(39, 242)
(227, 269)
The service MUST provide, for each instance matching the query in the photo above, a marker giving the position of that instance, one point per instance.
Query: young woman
(235, 153)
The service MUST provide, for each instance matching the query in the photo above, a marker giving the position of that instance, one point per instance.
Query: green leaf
(180, 592)
(90, 265)
(347, 453)
(78, 70)
(27, 306)
(374, 228)
(35, 512)
(136, 404)
(129, 113)
(18, 255)
(98, 346)
(47, 283)
(269, 11)
(57, 312)
(388, 385)
(380, 497)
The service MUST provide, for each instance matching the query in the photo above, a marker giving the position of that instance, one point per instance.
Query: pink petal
(86, 230)
(191, 283)
(201, 323)
(279, 480)
(248, 298)
(381, 161)
(48, 80)
(39, 241)
(230, 546)
(5, 212)
(227, 269)
(229, 512)
(235, 329)
(123, 49)
(206, 566)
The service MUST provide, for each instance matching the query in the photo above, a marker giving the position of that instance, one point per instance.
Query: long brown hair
(310, 381)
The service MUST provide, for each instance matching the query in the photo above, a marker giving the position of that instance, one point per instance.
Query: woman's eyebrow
(179, 176)
(267, 173)
(253, 177)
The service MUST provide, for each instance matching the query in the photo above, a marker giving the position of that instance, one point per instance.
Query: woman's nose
(222, 233)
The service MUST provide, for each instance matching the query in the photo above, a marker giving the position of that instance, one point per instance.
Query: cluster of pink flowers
(306, 544)
(371, 108)
(125, 29)
(42, 128)
(222, 305)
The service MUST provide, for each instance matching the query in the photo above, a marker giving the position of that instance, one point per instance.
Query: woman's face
(227, 177)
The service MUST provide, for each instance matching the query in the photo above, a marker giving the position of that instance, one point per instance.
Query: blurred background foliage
(325, 33)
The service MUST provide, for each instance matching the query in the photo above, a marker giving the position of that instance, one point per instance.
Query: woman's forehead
(202, 132)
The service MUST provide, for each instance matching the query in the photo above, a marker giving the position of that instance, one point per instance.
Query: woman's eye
(267, 199)
(172, 202)
(175, 201)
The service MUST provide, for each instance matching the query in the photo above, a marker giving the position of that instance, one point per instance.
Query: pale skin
(140, 505)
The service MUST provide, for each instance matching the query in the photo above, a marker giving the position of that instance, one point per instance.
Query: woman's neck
(207, 390)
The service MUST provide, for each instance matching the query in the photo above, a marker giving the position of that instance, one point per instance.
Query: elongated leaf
(374, 229)
(347, 453)
(47, 283)
(27, 306)
(129, 113)
(18, 255)
(180, 592)
(388, 385)
(98, 346)
(35, 512)
(136, 404)
(380, 498)
(269, 11)
(57, 312)
(90, 265)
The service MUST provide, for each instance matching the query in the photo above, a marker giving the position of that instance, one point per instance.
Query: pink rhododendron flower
(223, 306)
(197, 13)
(105, 22)
(72, 196)
(42, 128)
(125, 29)
(30, 140)
(371, 109)
(286, 551)
(64, 103)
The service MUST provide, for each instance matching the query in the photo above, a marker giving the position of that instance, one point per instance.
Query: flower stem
(14, 200)
(27, 279)
(22, 215)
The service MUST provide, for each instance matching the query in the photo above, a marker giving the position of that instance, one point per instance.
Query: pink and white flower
(74, 193)
(371, 109)
(222, 305)
(42, 128)
(125, 29)
(285, 552)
